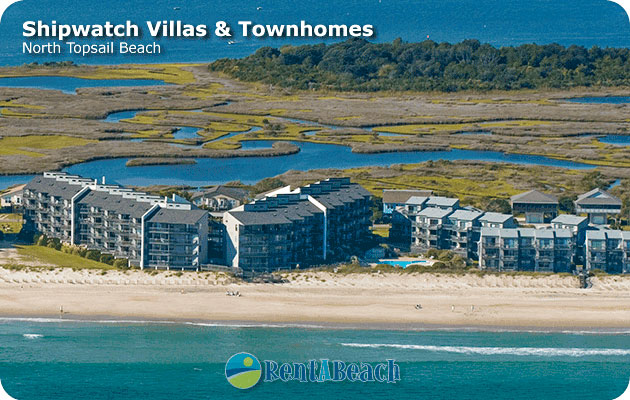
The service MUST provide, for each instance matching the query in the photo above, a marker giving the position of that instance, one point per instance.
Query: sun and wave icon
(4, 395)
(243, 370)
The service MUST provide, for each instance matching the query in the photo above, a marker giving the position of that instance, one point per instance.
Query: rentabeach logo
(243, 371)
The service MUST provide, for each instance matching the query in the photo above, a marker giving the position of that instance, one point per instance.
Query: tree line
(359, 65)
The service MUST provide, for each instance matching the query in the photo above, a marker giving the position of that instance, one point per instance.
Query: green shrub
(107, 259)
(121, 263)
(93, 255)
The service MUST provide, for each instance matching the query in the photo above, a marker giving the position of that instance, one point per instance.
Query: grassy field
(25, 145)
(47, 256)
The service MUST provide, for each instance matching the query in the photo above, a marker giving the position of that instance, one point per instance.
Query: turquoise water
(401, 264)
(166, 361)
(70, 85)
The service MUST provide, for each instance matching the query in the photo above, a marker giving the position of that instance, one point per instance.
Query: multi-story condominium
(397, 198)
(578, 226)
(463, 232)
(608, 250)
(149, 231)
(429, 229)
(526, 249)
(325, 221)
(598, 204)
(536, 206)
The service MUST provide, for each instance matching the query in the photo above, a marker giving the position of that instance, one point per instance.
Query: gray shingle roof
(174, 216)
(401, 196)
(568, 219)
(495, 217)
(465, 215)
(234, 193)
(115, 203)
(598, 197)
(53, 187)
(534, 196)
(434, 212)
(442, 201)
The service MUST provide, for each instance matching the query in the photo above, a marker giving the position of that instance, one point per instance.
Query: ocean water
(499, 22)
(42, 359)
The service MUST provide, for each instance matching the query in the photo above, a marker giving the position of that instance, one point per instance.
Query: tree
(498, 205)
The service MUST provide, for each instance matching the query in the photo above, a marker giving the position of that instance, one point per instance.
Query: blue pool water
(401, 264)
(70, 360)
(70, 85)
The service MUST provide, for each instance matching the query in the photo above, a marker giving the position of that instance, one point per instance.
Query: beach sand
(366, 299)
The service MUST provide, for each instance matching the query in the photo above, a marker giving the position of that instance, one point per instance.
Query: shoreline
(252, 324)
(312, 298)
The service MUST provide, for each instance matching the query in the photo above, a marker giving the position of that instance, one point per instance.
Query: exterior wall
(519, 252)
(48, 214)
(115, 234)
(175, 246)
(74, 220)
(429, 233)
(608, 252)
(463, 238)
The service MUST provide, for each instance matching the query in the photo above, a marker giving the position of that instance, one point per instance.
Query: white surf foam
(32, 336)
(515, 351)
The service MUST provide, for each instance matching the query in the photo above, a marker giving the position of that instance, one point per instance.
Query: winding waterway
(209, 171)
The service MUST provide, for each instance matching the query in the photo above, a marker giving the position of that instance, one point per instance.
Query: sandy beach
(385, 300)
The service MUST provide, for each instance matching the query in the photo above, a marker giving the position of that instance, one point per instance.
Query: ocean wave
(513, 351)
(161, 322)
(32, 336)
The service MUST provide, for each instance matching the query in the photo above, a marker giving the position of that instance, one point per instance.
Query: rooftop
(534, 197)
(465, 215)
(569, 219)
(402, 196)
(598, 197)
(434, 212)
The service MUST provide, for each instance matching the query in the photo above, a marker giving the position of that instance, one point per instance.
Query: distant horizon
(508, 23)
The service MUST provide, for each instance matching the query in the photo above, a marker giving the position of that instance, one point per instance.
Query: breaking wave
(513, 351)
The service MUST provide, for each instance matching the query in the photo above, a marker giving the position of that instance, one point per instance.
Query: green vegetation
(21, 145)
(359, 65)
(10, 223)
(50, 256)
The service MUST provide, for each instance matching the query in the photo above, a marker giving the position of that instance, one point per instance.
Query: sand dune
(372, 299)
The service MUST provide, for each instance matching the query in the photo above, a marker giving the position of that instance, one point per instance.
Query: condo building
(323, 222)
(608, 250)
(526, 249)
(149, 231)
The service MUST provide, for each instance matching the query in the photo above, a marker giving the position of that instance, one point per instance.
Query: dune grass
(27, 145)
(48, 256)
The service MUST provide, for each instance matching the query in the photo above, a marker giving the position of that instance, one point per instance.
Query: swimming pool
(403, 263)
